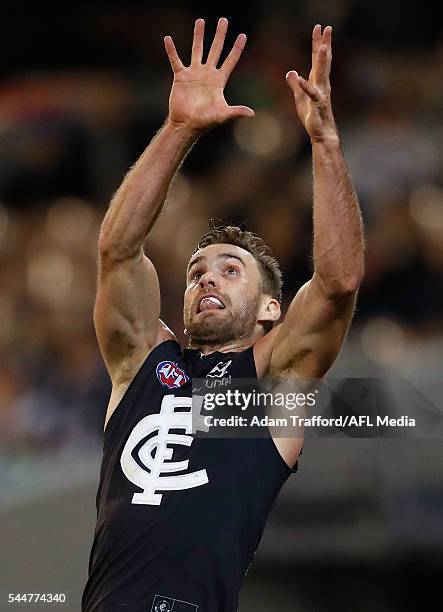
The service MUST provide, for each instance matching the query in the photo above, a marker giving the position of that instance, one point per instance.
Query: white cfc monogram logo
(151, 481)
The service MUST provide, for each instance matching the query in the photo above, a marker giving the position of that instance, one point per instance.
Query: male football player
(179, 517)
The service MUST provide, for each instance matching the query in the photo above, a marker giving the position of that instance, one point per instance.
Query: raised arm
(127, 307)
(319, 315)
(306, 344)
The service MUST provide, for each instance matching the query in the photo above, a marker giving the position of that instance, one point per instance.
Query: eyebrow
(220, 256)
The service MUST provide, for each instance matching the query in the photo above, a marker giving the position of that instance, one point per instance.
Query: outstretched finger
(326, 38)
(197, 43)
(234, 55)
(316, 42)
(175, 61)
(218, 42)
(321, 73)
(324, 59)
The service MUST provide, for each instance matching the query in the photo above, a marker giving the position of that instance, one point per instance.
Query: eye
(196, 275)
(232, 271)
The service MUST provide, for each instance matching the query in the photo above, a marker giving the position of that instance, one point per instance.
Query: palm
(309, 112)
(197, 95)
(304, 110)
(197, 98)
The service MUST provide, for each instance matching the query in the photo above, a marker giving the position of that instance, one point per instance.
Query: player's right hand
(197, 96)
(313, 96)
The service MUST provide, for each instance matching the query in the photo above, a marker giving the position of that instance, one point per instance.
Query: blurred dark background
(83, 88)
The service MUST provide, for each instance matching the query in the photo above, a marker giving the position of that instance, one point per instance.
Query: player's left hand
(313, 96)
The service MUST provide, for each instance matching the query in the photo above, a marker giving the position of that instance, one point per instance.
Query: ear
(269, 309)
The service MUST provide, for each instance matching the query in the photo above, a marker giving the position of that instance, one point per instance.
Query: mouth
(210, 302)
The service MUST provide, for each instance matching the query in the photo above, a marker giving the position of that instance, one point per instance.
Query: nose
(207, 280)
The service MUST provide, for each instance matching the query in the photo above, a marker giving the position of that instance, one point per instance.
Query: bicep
(312, 333)
(127, 309)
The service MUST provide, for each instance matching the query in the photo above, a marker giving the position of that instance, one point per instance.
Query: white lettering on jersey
(156, 455)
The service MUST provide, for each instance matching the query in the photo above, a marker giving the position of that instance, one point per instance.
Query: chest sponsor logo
(170, 375)
(158, 473)
(219, 370)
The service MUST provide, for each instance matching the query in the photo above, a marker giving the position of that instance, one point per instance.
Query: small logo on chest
(164, 605)
(170, 375)
(169, 604)
(219, 370)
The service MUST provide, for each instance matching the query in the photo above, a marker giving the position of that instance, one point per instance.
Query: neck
(228, 347)
(234, 346)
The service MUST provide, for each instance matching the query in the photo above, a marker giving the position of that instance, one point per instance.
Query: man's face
(223, 294)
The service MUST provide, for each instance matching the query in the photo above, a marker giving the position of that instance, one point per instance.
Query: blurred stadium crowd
(77, 112)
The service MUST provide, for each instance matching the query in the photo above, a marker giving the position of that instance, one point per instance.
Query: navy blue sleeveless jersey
(178, 517)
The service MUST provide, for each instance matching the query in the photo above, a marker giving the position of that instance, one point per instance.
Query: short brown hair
(271, 275)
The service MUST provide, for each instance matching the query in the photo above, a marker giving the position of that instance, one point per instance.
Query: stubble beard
(237, 323)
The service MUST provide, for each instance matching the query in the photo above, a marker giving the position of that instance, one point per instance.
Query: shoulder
(164, 333)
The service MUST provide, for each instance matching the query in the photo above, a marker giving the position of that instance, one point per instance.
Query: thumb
(292, 80)
(240, 111)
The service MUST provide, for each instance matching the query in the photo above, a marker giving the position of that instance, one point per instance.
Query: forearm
(338, 233)
(140, 198)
